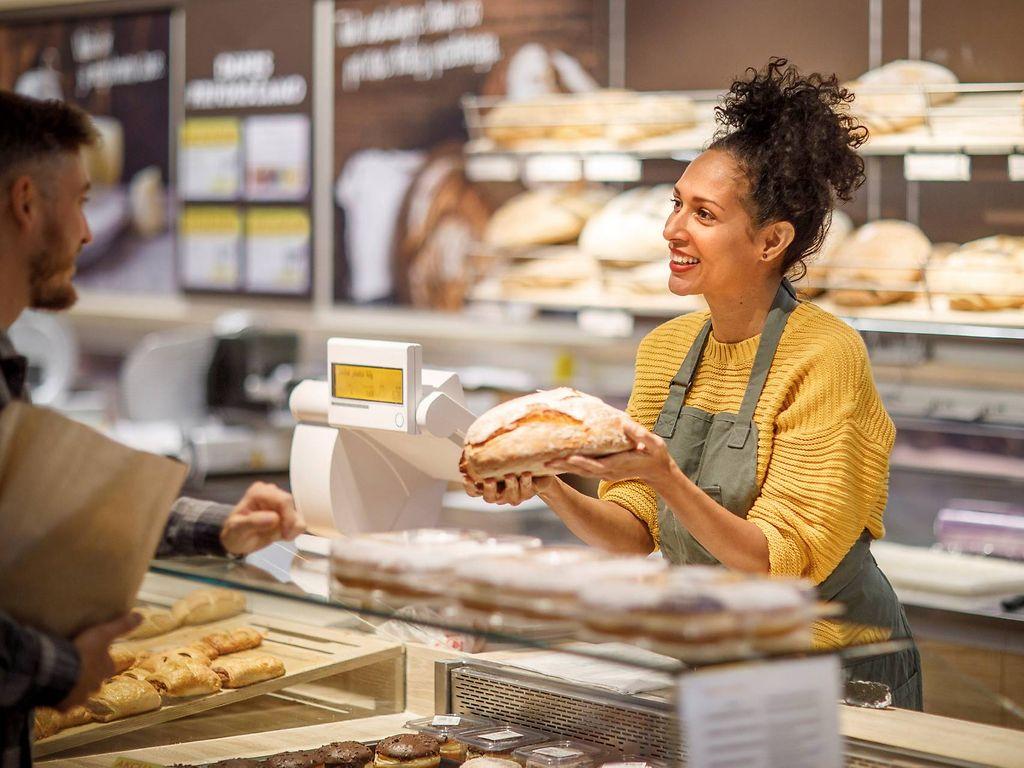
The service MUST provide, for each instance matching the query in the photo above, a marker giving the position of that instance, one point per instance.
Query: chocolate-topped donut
(237, 762)
(408, 750)
(306, 758)
(345, 754)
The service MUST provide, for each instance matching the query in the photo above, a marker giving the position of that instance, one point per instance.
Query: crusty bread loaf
(880, 263)
(890, 98)
(818, 265)
(524, 434)
(982, 275)
(629, 228)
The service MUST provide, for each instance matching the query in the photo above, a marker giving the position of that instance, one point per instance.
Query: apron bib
(718, 452)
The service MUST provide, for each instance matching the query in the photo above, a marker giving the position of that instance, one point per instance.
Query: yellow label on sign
(219, 220)
(275, 222)
(210, 131)
(369, 383)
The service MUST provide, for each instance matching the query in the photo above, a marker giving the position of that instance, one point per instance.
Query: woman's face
(713, 247)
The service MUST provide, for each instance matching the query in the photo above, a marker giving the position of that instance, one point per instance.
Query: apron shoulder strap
(666, 424)
(785, 302)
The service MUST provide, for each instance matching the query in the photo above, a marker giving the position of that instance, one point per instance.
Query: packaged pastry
(446, 729)
(524, 434)
(881, 263)
(408, 750)
(545, 583)
(564, 753)
(499, 740)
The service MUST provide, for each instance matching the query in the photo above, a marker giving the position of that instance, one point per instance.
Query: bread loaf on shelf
(982, 275)
(881, 263)
(889, 98)
(524, 434)
(818, 265)
(628, 229)
(545, 216)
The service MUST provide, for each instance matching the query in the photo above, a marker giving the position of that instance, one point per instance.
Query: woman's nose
(675, 227)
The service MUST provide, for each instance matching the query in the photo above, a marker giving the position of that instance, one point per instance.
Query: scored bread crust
(524, 434)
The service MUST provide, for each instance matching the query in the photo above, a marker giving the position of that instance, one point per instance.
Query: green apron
(718, 452)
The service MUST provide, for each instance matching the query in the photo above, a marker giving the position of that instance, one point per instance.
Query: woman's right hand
(512, 490)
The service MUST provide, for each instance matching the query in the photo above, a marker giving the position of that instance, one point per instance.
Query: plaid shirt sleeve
(36, 669)
(194, 529)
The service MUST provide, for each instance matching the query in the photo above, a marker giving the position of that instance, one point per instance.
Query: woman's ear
(775, 239)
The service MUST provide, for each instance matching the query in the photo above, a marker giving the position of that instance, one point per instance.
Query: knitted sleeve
(829, 468)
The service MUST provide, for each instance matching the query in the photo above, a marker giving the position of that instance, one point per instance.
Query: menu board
(247, 138)
(115, 67)
(210, 247)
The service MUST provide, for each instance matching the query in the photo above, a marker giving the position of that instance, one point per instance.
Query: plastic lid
(448, 725)
(561, 753)
(502, 737)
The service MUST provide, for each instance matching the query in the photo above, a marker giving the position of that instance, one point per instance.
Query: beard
(50, 286)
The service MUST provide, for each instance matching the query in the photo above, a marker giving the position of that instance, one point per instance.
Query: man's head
(43, 186)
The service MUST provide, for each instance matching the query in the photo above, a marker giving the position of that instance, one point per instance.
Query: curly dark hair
(31, 129)
(795, 140)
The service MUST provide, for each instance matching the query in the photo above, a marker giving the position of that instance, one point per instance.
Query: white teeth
(684, 259)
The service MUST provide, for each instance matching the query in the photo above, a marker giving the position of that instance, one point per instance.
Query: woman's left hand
(649, 460)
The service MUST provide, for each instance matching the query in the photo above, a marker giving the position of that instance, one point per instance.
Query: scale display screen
(370, 383)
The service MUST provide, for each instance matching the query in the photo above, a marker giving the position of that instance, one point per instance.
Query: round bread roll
(628, 229)
(817, 266)
(888, 254)
(887, 109)
(981, 275)
(524, 434)
(545, 216)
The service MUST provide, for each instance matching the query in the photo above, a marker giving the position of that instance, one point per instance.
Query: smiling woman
(761, 441)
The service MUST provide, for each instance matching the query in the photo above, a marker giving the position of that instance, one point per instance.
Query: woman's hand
(648, 461)
(512, 490)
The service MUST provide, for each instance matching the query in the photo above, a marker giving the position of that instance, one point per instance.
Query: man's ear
(776, 238)
(24, 201)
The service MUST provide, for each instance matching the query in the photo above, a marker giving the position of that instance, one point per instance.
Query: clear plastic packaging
(500, 740)
(447, 728)
(564, 753)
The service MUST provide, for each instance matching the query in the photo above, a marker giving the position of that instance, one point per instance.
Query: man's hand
(95, 664)
(264, 515)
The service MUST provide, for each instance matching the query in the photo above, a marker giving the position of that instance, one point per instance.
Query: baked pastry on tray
(247, 669)
(122, 696)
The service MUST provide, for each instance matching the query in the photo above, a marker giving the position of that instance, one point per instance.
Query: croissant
(240, 671)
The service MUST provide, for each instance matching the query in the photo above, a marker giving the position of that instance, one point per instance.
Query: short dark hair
(31, 130)
(796, 141)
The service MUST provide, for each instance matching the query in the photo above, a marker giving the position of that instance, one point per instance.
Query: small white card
(557, 752)
(937, 167)
(446, 720)
(780, 714)
(1015, 167)
(505, 735)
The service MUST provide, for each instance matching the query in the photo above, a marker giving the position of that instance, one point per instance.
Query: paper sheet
(80, 519)
(613, 671)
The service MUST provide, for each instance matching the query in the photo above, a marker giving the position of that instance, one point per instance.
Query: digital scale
(376, 444)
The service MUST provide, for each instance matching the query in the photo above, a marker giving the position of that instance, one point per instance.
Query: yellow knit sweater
(824, 439)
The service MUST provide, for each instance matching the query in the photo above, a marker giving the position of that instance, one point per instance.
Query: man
(43, 185)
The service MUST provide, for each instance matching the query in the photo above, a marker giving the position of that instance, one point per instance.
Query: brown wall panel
(979, 40)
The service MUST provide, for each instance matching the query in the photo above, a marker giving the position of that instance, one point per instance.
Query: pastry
(629, 228)
(304, 758)
(77, 715)
(981, 275)
(122, 658)
(181, 676)
(345, 754)
(238, 762)
(408, 750)
(122, 696)
(47, 722)
(553, 268)
(880, 263)
(890, 98)
(816, 278)
(233, 640)
(205, 605)
(247, 669)
(154, 660)
(524, 434)
(155, 621)
(545, 216)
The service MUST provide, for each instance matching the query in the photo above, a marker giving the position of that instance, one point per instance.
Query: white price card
(609, 323)
(780, 714)
(210, 241)
(1015, 167)
(209, 158)
(492, 168)
(277, 250)
(446, 720)
(612, 167)
(553, 168)
(935, 166)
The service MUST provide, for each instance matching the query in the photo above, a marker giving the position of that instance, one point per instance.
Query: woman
(761, 439)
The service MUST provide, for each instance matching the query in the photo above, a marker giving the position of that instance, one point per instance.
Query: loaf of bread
(553, 268)
(982, 275)
(881, 263)
(524, 434)
(889, 98)
(628, 229)
(545, 216)
(818, 265)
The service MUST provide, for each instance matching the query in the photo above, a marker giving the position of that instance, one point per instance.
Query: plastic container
(447, 728)
(501, 740)
(564, 753)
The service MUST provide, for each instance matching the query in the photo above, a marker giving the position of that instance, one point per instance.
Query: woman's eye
(704, 214)
(675, 204)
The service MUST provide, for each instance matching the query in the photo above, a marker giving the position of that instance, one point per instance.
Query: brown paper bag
(80, 519)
